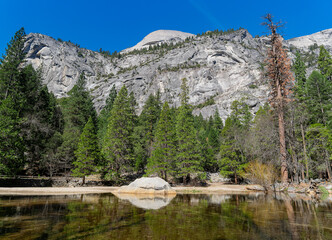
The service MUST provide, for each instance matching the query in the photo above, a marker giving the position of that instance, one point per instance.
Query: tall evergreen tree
(325, 63)
(280, 76)
(11, 143)
(11, 102)
(87, 153)
(10, 74)
(144, 131)
(319, 95)
(162, 160)
(117, 148)
(218, 124)
(232, 159)
(34, 110)
(105, 114)
(232, 149)
(300, 71)
(188, 157)
(77, 109)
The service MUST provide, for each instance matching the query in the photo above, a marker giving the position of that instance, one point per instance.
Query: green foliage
(232, 152)
(104, 116)
(318, 97)
(232, 158)
(208, 102)
(118, 148)
(188, 157)
(30, 114)
(299, 69)
(319, 139)
(218, 32)
(240, 114)
(87, 153)
(11, 147)
(162, 160)
(11, 103)
(145, 130)
(325, 63)
(253, 86)
(77, 109)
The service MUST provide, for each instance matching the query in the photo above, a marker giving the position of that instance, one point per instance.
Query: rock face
(319, 38)
(160, 37)
(148, 185)
(222, 67)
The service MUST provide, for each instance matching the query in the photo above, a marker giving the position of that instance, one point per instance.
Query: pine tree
(300, 70)
(232, 160)
(188, 157)
(144, 131)
(11, 102)
(280, 76)
(325, 63)
(218, 124)
(105, 114)
(42, 118)
(77, 108)
(232, 149)
(10, 75)
(318, 99)
(87, 153)
(117, 148)
(11, 144)
(162, 158)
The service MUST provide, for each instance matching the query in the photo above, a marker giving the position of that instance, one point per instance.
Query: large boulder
(148, 185)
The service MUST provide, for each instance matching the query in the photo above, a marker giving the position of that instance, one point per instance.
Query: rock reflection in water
(104, 216)
(146, 201)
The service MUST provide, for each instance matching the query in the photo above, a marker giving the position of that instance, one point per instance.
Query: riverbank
(213, 188)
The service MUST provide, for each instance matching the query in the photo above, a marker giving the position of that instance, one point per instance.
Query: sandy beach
(213, 188)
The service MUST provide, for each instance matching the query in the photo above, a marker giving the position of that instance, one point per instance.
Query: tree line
(42, 135)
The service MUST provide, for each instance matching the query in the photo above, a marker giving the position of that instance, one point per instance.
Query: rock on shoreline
(148, 185)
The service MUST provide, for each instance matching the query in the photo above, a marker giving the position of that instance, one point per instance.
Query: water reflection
(146, 201)
(104, 216)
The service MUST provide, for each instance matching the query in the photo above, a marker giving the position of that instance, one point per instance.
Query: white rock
(160, 36)
(155, 183)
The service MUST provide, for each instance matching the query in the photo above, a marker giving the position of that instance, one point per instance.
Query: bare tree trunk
(282, 139)
(302, 172)
(305, 152)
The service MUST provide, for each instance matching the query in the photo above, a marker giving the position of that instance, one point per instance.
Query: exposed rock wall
(224, 67)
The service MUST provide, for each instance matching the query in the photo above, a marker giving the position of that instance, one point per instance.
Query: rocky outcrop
(310, 41)
(220, 68)
(160, 37)
(148, 186)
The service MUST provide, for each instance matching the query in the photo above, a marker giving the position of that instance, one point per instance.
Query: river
(186, 216)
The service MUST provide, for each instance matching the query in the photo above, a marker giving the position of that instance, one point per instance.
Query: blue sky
(116, 25)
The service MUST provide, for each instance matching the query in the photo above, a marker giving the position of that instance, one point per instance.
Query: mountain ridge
(220, 66)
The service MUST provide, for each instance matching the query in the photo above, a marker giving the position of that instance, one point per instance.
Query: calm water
(105, 216)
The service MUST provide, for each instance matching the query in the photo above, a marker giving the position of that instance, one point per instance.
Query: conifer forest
(288, 139)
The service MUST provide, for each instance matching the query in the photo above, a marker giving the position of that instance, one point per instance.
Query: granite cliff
(220, 67)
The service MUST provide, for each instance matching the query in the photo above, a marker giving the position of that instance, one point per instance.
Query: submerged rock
(148, 185)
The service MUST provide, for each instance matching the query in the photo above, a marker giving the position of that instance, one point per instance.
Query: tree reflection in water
(104, 216)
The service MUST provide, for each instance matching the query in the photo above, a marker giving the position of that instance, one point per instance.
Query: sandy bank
(213, 188)
(54, 190)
